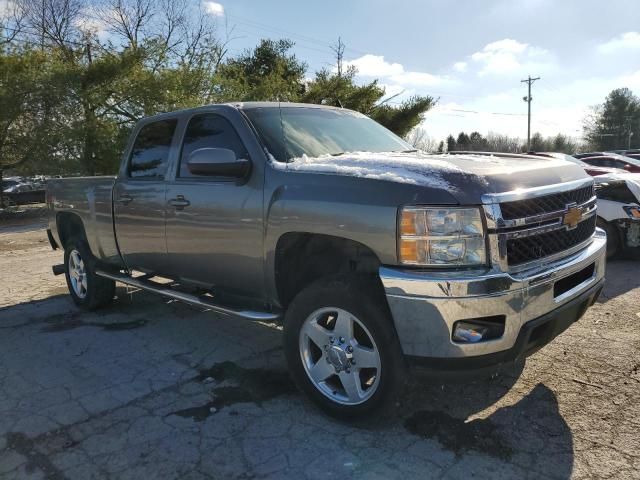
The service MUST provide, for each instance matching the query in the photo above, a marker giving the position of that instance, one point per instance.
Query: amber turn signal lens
(408, 251)
(408, 223)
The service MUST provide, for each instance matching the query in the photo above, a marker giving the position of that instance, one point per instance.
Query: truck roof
(240, 106)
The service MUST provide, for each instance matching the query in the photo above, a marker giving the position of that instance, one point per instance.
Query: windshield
(320, 131)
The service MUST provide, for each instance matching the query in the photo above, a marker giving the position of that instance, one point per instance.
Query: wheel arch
(70, 225)
(301, 258)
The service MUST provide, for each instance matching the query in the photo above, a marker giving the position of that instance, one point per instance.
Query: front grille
(527, 249)
(545, 204)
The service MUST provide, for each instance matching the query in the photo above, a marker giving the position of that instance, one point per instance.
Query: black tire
(99, 290)
(364, 299)
(613, 237)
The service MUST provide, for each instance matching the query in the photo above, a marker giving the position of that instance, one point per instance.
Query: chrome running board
(199, 301)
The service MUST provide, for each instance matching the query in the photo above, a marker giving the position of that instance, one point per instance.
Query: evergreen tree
(615, 122)
(462, 142)
(451, 144)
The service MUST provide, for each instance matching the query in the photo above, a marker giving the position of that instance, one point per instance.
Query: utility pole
(529, 81)
(629, 119)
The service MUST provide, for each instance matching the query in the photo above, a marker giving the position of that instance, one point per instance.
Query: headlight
(633, 212)
(441, 236)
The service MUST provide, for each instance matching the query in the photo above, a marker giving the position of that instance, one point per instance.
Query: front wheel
(87, 289)
(341, 347)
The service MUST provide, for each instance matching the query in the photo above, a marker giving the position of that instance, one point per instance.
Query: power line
(274, 29)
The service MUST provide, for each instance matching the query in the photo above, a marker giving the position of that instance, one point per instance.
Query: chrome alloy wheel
(77, 274)
(340, 356)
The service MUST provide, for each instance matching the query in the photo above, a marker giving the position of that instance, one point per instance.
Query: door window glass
(150, 153)
(209, 131)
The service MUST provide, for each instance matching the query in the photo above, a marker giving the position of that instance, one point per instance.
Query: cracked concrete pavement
(155, 389)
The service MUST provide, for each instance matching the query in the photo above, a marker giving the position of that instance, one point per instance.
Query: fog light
(478, 330)
(468, 333)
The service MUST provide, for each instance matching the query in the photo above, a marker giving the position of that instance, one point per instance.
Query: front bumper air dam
(425, 306)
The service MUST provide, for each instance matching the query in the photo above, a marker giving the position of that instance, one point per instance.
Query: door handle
(179, 202)
(125, 199)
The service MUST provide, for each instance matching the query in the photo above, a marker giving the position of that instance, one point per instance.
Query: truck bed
(90, 199)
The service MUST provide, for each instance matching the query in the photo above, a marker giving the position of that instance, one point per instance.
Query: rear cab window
(150, 153)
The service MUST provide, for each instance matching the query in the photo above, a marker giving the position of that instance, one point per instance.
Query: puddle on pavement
(248, 385)
(459, 436)
(65, 322)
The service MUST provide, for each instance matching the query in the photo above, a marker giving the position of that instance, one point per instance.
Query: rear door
(214, 224)
(139, 198)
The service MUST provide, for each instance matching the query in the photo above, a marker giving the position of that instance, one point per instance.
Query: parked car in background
(20, 191)
(635, 153)
(610, 160)
(15, 185)
(619, 212)
(590, 169)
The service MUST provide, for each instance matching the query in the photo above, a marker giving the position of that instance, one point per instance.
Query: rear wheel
(87, 289)
(613, 237)
(341, 347)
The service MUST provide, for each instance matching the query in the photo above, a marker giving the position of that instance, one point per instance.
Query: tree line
(69, 97)
(612, 125)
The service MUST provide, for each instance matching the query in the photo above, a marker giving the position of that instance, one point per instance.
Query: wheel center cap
(337, 357)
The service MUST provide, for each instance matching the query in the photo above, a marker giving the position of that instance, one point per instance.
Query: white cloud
(90, 22)
(629, 40)
(213, 8)
(418, 79)
(508, 55)
(376, 66)
(460, 66)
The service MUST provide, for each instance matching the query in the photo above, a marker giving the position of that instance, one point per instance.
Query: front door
(214, 224)
(139, 199)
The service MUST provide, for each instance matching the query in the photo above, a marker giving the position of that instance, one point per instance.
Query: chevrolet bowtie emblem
(573, 217)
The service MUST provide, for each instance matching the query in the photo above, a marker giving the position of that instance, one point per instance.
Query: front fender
(357, 209)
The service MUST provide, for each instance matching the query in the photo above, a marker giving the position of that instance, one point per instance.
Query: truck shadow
(471, 423)
(464, 418)
(622, 276)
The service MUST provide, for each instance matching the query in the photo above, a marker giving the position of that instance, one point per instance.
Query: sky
(470, 55)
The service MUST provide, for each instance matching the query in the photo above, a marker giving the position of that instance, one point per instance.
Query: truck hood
(467, 177)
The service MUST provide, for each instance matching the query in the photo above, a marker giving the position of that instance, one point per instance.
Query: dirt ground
(155, 389)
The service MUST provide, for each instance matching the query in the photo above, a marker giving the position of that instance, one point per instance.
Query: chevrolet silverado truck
(374, 256)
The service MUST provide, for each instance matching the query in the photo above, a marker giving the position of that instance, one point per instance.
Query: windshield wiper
(413, 150)
(337, 154)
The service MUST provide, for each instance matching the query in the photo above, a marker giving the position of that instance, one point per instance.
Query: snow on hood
(418, 168)
(412, 168)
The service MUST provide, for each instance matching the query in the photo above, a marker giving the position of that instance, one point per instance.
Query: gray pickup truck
(374, 256)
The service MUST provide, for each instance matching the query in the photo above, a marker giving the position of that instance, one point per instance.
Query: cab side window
(150, 154)
(209, 131)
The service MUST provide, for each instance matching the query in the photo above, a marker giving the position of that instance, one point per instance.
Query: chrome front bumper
(425, 305)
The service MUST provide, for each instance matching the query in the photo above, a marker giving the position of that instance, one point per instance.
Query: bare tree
(12, 19)
(419, 138)
(503, 143)
(55, 21)
(338, 50)
(127, 18)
